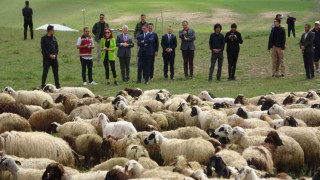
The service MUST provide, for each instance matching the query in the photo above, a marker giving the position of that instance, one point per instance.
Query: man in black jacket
(50, 49)
(216, 44)
(306, 46)
(168, 44)
(316, 45)
(233, 39)
(277, 41)
(291, 21)
(27, 14)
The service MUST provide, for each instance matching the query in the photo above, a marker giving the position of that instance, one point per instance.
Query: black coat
(282, 39)
(233, 46)
(49, 45)
(165, 43)
(27, 13)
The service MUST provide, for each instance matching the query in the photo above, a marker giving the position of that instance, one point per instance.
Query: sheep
(116, 174)
(209, 119)
(107, 109)
(250, 123)
(33, 108)
(312, 95)
(194, 100)
(56, 170)
(120, 98)
(78, 91)
(136, 151)
(194, 149)
(241, 99)
(84, 112)
(242, 112)
(309, 115)
(9, 122)
(68, 103)
(205, 95)
(6, 98)
(47, 105)
(29, 97)
(136, 170)
(16, 108)
(248, 173)
(9, 164)
(97, 175)
(153, 104)
(75, 128)
(141, 121)
(115, 129)
(109, 164)
(125, 108)
(173, 104)
(161, 120)
(305, 136)
(41, 120)
(189, 120)
(288, 121)
(217, 167)
(232, 158)
(88, 145)
(134, 92)
(147, 163)
(262, 156)
(36, 144)
(92, 122)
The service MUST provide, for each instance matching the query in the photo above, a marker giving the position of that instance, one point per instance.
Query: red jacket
(85, 52)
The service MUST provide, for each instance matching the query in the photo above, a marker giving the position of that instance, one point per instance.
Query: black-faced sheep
(75, 128)
(15, 108)
(116, 174)
(134, 92)
(9, 122)
(205, 95)
(78, 91)
(41, 120)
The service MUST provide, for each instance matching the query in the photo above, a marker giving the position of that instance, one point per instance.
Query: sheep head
(274, 138)
(182, 106)
(302, 101)
(311, 94)
(275, 109)
(53, 171)
(267, 104)
(161, 97)
(52, 128)
(246, 171)
(216, 164)
(317, 106)
(133, 168)
(236, 133)
(153, 138)
(204, 95)
(241, 99)
(120, 105)
(195, 111)
(289, 99)
(8, 163)
(102, 118)
(242, 113)
(50, 88)
(9, 91)
(223, 130)
(290, 121)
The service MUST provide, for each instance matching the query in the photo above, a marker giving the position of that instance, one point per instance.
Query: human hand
(184, 32)
(235, 36)
(156, 53)
(184, 38)
(302, 48)
(135, 40)
(52, 56)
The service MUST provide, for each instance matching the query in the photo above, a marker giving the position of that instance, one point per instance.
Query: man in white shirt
(85, 45)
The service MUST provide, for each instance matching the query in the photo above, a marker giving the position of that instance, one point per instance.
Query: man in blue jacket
(145, 54)
(155, 46)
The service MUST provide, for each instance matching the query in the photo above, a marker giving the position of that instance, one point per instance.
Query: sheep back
(9, 122)
(84, 112)
(76, 128)
(106, 166)
(41, 120)
(16, 108)
(6, 98)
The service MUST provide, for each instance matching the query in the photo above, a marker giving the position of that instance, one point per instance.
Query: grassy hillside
(21, 62)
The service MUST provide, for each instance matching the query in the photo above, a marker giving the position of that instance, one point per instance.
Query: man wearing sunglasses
(98, 30)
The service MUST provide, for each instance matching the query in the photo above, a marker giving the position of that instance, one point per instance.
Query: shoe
(273, 75)
(312, 77)
(282, 75)
(186, 77)
(138, 82)
(147, 82)
(218, 79)
(317, 70)
(210, 79)
(84, 83)
(128, 79)
(151, 79)
(173, 79)
(191, 77)
(93, 83)
(115, 83)
(108, 83)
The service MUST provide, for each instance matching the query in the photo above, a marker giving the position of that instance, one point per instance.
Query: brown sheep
(41, 120)
(16, 108)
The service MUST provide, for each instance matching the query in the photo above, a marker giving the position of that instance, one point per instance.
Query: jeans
(277, 53)
(84, 64)
(55, 68)
(214, 57)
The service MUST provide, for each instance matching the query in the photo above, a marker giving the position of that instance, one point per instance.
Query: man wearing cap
(316, 45)
(138, 31)
(306, 46)
(98, 30)
(277, 41)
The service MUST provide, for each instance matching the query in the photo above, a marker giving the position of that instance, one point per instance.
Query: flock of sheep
(157, 135)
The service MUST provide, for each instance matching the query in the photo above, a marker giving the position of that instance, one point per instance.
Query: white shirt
(79, 43)
(305, 36)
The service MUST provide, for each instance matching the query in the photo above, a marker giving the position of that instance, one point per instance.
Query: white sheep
(242, 112)
(205, 95)
(29, 97)
(209, 119)
(248, 173)
(117, 130)
(75, 128)
(194, 149)
(78, 91)
(6, 98)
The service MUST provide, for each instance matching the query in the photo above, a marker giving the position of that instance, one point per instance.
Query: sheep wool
(13, 122)
(75, 128)
(78, 91)
(109, 164)
(36, 145)
(41, 120)
(232, 158)
(33, 108)
(16, 108)
(84, 112)
(97, 175)
(6, 98)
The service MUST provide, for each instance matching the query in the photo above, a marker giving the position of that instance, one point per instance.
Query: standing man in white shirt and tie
(124, 43)
(168, 44)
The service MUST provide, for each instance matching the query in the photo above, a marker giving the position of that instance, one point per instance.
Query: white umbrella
(57, 27)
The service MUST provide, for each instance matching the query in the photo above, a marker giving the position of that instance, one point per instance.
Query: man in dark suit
(168, 44)
(124, 44)
(145, 54)
(306, 45)
(155, 46)
(27, 14)
(187, 36)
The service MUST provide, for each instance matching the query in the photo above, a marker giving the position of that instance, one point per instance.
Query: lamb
(248, 173)
(262, 156)
(29, 97)
(88, 145)
(78, 91)
(242, 112)
(37, 145)
(205, 95)
(309, 115)
(8, 163)
(194, 149)
(115, 129)
(6, 98)
(16, 108)
(9, 122)
(75, 128)
(209, 119)
(41, 120)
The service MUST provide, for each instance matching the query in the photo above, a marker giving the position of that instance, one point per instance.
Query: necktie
(125, 38)
(169, 37)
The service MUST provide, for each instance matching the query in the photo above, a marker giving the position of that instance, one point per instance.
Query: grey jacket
(189, 43)
(307, 42)
(124, 51)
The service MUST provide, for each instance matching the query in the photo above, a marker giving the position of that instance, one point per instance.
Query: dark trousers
(152, 67)
(308, 64)
(106, 68)
(84, 64)
(214, 57)
(125, 68)
(188, 56)
(144, 65)
(55, 68)
(168, 59)
(232, 63)
(293, 31)
(25, 25)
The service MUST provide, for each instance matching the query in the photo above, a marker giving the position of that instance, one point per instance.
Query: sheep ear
(157, 139)
(18, 162)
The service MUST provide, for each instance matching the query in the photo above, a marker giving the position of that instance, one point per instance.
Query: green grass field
(21, 61)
